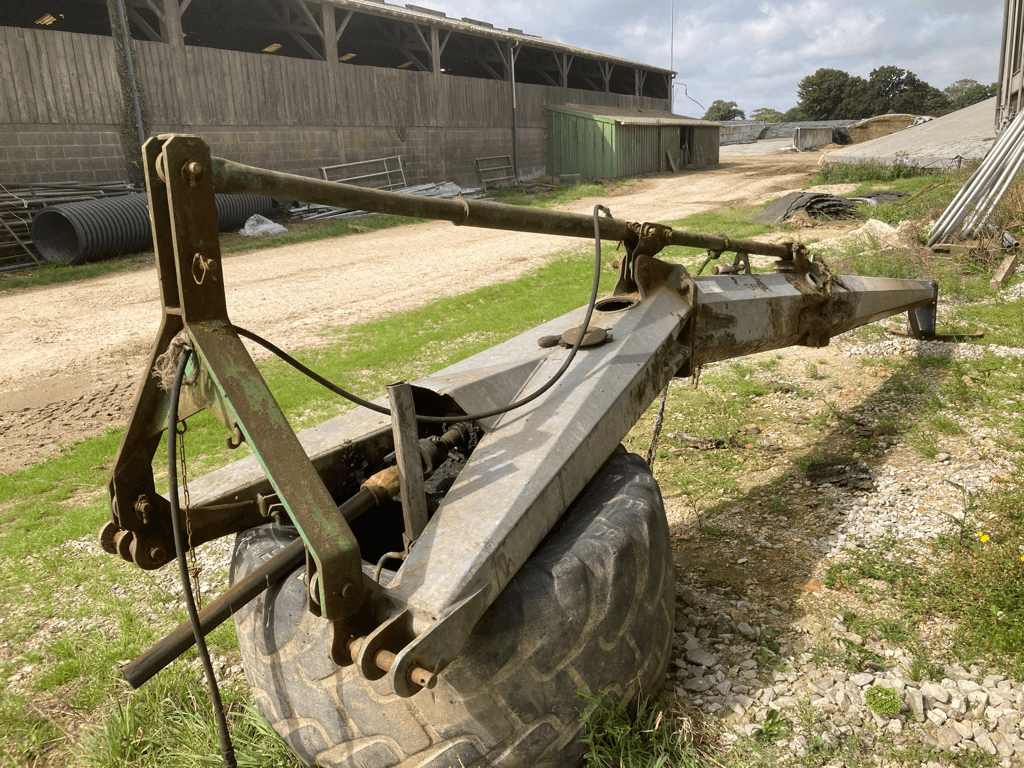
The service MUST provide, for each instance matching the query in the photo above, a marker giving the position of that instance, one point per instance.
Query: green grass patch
(651, 739)
(566, 193)
(844, 173)
(169, 722)
(64, 273)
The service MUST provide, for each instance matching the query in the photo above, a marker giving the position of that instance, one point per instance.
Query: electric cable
(226, 749)
(275, 350)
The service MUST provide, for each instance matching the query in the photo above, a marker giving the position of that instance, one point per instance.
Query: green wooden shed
(608, 142)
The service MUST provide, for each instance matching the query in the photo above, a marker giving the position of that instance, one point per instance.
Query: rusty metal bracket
(642, 242)
(228, 384)
(740, 266)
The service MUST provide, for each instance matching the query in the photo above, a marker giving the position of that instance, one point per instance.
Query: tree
(822, 94)
(901, 91)
(793, 115)
(766, 115)
(723, 111)
(964, 93)
(860, 101)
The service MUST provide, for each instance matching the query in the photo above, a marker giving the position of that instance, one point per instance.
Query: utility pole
(671, 55)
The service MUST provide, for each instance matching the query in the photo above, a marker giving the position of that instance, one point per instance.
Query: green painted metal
(599, 147)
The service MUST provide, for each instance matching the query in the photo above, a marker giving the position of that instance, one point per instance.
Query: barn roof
(415, 13)
(623, 116)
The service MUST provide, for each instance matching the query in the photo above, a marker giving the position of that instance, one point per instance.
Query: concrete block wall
(91, 153)
(811, 138)
(31, 154)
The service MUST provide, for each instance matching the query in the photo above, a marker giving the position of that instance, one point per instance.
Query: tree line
(831, 94)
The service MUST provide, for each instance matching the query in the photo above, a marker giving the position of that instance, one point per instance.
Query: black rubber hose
(454, 419)
(226, 749)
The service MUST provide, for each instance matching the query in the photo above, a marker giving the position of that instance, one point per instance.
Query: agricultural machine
(431, 578)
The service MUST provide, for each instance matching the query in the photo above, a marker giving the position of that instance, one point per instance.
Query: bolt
(193, 171)
(157, 554)
(348, 591)
(143, 507)
(422, 677)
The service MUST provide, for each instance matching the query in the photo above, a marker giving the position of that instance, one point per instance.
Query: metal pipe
(982, 213)
(131, 72)
(953, 215)
(234, 178)
(512, 53)
(139, 671)
(979, 182)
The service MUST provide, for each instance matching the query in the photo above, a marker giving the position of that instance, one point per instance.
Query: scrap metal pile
(821, 205)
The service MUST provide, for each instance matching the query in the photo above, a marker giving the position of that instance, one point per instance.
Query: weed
(773, 728)
(171, 718)
(882, 700)
(652, 738)
(842, 173)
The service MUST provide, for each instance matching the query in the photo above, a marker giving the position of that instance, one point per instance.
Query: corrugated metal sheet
(632, 116)
(599, 146)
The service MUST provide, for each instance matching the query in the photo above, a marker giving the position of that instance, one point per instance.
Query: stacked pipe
(444, 189)
(970, 210)
(19, 204)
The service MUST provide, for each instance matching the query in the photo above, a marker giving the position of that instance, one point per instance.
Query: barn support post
(176, 40)
(513, 53)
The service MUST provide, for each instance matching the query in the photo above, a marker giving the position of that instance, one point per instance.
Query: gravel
(899, 492)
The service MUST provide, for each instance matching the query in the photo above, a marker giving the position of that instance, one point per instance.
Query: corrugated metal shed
(608, 143)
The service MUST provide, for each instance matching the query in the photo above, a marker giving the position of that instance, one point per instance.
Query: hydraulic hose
(226, 749)
(270, 347)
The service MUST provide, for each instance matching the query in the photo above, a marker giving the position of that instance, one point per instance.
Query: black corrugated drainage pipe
(74, 233)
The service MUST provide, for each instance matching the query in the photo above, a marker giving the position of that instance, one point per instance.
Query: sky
(756, 53)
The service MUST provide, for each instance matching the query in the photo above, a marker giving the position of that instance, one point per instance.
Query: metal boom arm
(530, 463)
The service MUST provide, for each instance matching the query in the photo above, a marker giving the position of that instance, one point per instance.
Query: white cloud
(757, 53)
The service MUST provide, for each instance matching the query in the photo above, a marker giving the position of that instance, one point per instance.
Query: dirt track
(72, 353)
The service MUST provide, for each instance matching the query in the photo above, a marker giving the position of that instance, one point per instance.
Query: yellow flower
(984, 538)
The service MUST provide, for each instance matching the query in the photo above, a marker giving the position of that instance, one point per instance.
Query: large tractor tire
(591, 610)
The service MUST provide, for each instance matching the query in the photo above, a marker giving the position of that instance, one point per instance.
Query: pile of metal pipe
(973, 205)
(445, 190)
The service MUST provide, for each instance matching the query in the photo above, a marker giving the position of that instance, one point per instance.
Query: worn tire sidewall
(590, 611)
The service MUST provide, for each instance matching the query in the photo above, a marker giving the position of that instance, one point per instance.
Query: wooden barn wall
(60, 105)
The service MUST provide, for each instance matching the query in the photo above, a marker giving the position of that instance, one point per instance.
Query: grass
(558, 196)
(876, 173)
(650, 739)
(168, 722)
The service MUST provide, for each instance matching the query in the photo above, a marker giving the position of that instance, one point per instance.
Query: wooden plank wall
(57, 77)
(60, 77)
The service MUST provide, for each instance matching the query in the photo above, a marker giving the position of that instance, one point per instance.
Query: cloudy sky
(756, 53)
